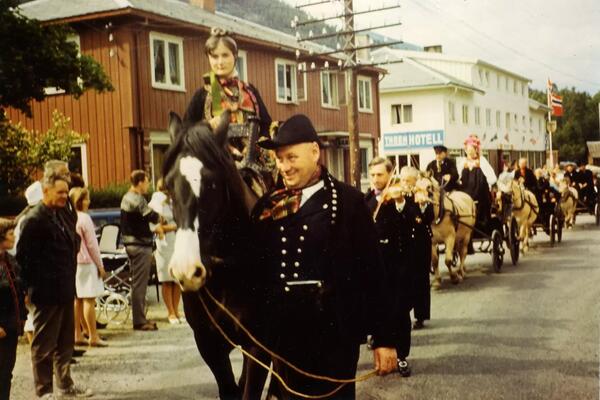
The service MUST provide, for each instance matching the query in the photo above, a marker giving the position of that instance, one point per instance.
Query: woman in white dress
(165, 246)
(90, 271)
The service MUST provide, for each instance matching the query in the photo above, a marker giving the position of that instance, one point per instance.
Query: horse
(568, 202)
(211, 206)
(453, 225)
(525, 208)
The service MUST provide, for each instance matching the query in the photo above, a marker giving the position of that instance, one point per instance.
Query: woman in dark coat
(250, 119)
(474, 182)
(12, 307)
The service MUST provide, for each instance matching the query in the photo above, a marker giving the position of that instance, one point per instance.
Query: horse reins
(271, 353)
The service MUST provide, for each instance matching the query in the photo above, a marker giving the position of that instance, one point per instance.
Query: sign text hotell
(404, 140)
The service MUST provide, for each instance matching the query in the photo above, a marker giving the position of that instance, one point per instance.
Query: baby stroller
(114, 304)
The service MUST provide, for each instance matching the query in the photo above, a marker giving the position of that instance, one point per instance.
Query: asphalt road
(530, 332)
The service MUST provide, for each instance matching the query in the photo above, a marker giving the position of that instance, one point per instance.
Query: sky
(539, 39)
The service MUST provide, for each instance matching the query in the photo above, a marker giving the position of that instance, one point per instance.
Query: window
(507, 121)
(401, 114)
(242, 65)
(329, 89)
(166, 60)
(498, 119)
(487, 78)
(480, 77)
(488, 117)
(364, 164)
(507, 83)
(530, 124)
(465, 114)
(498, 82)
(451, 113)
(54, 90)
(539, 126)
(364, 94)
(287, 86)
(516, 122)
(515, 86)
(524, 123)
(78, 161)
(523, 90)
(477, 116)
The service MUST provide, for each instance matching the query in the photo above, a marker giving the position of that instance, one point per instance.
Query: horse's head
(195, 172)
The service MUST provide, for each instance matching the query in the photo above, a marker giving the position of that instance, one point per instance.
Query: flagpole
(548, 126)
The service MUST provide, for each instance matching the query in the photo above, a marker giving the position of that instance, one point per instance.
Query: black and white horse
(211, 205)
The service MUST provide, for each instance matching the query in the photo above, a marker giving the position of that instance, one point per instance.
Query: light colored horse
(454, 218)
(568, 202)
(525, 208)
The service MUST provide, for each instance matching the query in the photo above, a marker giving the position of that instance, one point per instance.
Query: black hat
(297, 129)
(582, 163)
(440, 149)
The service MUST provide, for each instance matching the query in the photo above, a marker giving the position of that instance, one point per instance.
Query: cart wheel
(497, 250)
(552, 231)
(116, 308)
(513, 241)
(597, 212)
(560, 223)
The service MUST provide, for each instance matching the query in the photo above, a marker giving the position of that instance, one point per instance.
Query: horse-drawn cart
(550, 218)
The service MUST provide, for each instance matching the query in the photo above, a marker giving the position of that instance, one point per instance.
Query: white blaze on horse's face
(190, 168)
(186, 266)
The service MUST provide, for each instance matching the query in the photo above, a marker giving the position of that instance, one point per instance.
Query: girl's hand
(2, 333)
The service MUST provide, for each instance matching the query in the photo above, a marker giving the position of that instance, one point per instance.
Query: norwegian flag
(554, 100)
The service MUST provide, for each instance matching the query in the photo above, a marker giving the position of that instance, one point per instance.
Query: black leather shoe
(419, 324)
(403, 368)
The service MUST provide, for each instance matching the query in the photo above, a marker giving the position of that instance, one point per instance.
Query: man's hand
(385, 360)
(160, 232)
(446, 177)
(2, 333)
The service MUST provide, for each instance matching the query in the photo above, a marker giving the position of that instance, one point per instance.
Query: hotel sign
(412, 140)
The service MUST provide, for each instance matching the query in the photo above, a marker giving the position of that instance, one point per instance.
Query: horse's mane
(199, 141)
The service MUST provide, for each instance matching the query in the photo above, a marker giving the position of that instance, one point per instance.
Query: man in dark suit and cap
(325, 281)
(583, 180)
(443, 169)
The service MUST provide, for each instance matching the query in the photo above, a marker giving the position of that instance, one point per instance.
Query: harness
(523, 202)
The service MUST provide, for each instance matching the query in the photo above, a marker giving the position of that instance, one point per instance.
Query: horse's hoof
(436, 285)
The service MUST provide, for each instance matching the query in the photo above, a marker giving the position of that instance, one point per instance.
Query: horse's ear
(174, 125)
(221, 129)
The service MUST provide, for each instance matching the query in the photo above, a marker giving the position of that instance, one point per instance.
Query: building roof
(410, 74)
(594, 149)
(53, 10)
(416, 55)
(536, 105)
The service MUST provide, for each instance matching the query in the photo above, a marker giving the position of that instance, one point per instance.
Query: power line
(513, 50)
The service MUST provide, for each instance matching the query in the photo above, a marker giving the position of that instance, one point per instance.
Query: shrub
(109, 196)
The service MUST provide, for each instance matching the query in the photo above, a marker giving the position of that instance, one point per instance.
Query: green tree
(36, 56)
(23, 153)
(578, 124)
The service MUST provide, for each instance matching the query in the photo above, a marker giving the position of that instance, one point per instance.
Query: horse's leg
(255, 376)
(437, 280)
(462, 251)
(212, 347)
(449, 242)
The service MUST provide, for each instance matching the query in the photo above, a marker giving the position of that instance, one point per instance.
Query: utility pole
(348, 63)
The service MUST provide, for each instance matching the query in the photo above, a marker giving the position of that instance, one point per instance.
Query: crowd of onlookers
(52, 271)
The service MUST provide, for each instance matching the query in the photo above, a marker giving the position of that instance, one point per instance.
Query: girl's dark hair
(5, 226)
(218, 35)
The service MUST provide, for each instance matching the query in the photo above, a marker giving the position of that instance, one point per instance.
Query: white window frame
(84, 163)
(366, 80)
(401, 108)
(167, 39)
(451, 112)
(333, 89)
(293, 85)
(52, 90)
(243, 57)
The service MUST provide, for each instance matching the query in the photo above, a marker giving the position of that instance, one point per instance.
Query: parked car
(103, 216)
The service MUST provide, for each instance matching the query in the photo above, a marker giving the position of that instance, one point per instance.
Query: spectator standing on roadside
(136, 216)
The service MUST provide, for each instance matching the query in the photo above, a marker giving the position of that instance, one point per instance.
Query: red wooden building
(153, 52)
